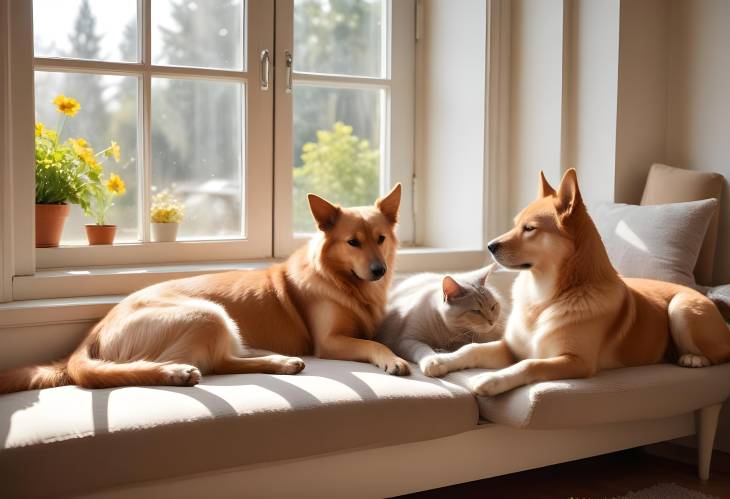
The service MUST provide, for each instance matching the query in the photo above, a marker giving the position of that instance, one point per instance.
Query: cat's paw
(181, 375)
(394, 365)
(489, 384)
(434, 366)
(691, 360)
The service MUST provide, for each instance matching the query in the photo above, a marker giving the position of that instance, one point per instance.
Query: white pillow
(659, 242)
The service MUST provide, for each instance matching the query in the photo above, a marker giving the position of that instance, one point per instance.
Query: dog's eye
(475, 311)
(491, 309)
(381, 239)
(528, 228)
(353, 242)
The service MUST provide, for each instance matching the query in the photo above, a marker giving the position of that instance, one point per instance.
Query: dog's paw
(691, 360)
(394, 365)
(434, 366)
(489, 384)
(181, 375)
(288, 365)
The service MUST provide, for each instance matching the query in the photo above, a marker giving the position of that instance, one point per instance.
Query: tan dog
(573, 315)
(326, 299)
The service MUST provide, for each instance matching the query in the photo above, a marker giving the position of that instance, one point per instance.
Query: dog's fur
(326, 299)
(573, 315)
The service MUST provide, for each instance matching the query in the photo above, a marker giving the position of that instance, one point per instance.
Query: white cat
(430, 312)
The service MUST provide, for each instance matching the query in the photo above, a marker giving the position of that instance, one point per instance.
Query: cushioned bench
(86, 440)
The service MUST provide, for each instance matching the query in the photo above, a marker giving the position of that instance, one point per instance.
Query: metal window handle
(265, 65)
(289, 70)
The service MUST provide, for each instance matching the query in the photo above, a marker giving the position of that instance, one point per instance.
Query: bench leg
(705, 426)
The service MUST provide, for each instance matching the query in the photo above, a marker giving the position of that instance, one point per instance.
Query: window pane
(197, 153)
(108, 112)
(336, 147)
(86, 29)
(339, 37)
(199, 33)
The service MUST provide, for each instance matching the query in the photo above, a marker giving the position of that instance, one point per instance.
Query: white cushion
(659, 242)
(69, 440)
(627, 394)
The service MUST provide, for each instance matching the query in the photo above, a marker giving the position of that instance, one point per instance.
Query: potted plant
(101, 196)
(166, 214)
(61, 176)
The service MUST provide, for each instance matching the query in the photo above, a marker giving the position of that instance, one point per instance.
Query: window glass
(336, 147)
(198, 33)
(197, 153)
(108, 112)
(86, 29)
(339, 37)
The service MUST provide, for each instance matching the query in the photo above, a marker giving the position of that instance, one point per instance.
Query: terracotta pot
(49, 222)
(100, 234)
(164, 232)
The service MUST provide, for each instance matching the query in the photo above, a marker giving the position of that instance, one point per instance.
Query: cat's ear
(488, 270)
(451, 288)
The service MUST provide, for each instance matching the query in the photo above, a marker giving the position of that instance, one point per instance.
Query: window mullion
(146, 119)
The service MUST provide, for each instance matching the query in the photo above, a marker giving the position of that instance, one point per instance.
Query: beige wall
(450, 89)
(698, 124)
(536, 92)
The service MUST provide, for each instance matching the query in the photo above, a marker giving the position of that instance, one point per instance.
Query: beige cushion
(666, 184)
(68, 440)
(659, 242)
(617, 395)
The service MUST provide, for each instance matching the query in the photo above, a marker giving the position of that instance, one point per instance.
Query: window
(202, 106)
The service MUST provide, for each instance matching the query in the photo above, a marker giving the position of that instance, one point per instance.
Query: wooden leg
(706, 425)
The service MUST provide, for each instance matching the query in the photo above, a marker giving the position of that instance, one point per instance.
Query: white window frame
(397, 116)
(258, 145)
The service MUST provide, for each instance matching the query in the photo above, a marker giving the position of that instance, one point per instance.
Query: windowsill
(50, 285)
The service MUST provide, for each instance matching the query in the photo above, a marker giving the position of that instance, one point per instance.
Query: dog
(326, 299)
(572, 315)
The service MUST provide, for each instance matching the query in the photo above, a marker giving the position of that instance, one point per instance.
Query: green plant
(100, 197)
(166, 209)
(339, 166)
(61, 174)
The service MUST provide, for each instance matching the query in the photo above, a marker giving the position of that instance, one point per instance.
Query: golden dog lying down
(326, 299)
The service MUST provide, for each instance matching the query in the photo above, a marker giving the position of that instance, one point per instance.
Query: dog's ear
(568, 196)
(389, 205)
(324, 212)
(451, 288)
(544, 189)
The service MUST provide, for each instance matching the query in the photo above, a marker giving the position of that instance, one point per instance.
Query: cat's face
(469, 308)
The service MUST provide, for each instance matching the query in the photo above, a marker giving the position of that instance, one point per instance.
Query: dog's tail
(35, 377)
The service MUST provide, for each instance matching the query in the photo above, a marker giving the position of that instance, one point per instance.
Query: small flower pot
(49, 222)
(164, 232)
(100, 234)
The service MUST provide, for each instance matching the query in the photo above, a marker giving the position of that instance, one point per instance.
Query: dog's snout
(378, 270)
(493, 247)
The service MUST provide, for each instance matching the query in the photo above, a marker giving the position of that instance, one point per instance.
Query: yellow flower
(67, 105)
(80, 146)
(39, 129)
(114, 151)
(51, 134)
(116, 185)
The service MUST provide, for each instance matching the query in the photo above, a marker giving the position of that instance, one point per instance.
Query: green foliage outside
(340, 167)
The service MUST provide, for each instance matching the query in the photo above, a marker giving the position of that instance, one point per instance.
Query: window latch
(289, 70)
(265, 65)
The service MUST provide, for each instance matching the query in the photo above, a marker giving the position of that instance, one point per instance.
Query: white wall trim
(6, 199)
(496, 127)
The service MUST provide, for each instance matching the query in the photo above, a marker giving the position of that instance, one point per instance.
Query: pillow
(655, 242)
(666, 184)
